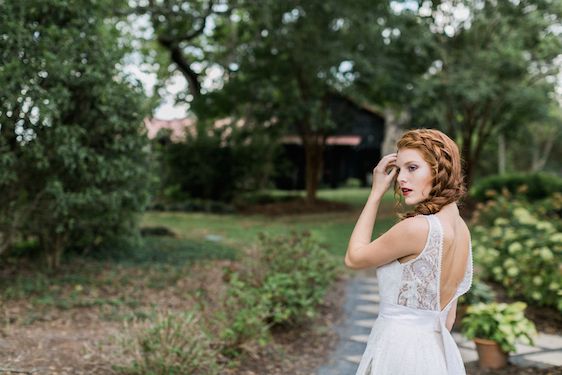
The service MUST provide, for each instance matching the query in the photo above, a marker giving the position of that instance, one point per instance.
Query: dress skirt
(406, 341)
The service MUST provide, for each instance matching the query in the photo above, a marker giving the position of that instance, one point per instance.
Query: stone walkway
(361, 310)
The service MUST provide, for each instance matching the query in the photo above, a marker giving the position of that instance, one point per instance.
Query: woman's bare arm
(452, 316)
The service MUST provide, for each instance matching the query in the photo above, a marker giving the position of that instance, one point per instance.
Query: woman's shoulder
(413, 225)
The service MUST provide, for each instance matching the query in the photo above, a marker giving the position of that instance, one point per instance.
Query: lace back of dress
(419, 287)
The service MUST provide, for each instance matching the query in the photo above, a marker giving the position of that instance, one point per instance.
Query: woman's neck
(450, 208)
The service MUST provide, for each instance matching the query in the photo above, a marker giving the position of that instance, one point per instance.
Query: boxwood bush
(531, 186)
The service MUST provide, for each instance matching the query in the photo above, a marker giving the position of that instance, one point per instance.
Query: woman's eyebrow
(410, 162)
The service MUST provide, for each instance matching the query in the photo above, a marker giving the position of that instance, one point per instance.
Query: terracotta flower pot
(490, 354)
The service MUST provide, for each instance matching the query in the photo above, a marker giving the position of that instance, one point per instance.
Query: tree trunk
(53, 246)
(468, 161)
(313, 150)
(394, 124)
(501, 154)
(538, 161)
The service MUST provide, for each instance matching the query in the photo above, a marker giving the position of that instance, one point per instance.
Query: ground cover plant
(74, 319)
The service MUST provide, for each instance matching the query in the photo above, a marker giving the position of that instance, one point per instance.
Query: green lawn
(353, 196)
(237, 231)
(110, 279)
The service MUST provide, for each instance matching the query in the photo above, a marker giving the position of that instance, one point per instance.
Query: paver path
(361, 310)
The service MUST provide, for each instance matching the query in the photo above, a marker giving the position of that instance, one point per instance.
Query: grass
(235, 231)
(355, 197)
(115, 281)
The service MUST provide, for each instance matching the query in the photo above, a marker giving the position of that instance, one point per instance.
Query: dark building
(352, 151)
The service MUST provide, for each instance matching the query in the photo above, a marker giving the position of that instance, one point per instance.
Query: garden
(179, 179)
(517, 249)
(205, 292)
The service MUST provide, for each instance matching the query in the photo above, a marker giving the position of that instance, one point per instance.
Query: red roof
(177, 126)
(334, 140)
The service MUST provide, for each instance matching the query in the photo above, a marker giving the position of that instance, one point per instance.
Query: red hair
(443, 156)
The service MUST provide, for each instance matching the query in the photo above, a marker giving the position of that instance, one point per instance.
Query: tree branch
(194, 33)
(177, 57)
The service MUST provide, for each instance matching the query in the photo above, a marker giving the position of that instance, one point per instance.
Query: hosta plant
(501, 322)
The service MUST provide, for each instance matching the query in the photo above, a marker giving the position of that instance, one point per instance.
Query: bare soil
(472, 368)
(89, 340)
(296, 206)
(300, 350)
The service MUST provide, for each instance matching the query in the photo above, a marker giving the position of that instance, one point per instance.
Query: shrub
(293, 274)
(217, 163)
(242, 319)
(175, 343)
(193, 205)
(352, 183)
(531, 186)
(523, 253)
(73, 162)
(551, 208)
(281, 281)
(479, 292)
(500, 322)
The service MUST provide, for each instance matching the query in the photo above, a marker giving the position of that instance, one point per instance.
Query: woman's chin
(411, 201)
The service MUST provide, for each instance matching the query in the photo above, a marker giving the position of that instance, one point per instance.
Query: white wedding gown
(409, 336)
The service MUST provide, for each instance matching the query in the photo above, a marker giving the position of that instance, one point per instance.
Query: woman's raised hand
(384, 173)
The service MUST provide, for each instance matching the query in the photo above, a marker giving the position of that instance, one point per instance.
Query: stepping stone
(353, 358)
(463, 341)
(525, 349)
(370, 297)
(552, 358)
(213, 238)
(468, 355)
(369, 289)
(365, 323)
(360, 338)
(371, 280)
(545, 340)
(371, 309)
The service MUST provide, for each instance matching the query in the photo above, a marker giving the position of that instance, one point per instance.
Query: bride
(423, 263)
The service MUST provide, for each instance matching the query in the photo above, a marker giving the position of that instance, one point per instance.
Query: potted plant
(495, 327)
(479, 292)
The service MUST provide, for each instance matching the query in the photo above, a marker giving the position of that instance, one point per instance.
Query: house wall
(341, 162)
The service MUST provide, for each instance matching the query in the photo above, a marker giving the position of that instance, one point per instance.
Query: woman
(424, 262)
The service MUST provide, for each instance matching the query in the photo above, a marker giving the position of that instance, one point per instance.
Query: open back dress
(409, 336)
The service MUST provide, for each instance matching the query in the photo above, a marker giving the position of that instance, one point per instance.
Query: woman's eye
(411, 168)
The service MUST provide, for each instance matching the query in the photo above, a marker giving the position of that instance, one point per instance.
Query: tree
(283, 61)
(280, 62)
(391, 53)
(179, 28)
(72, 152)
(493, 69)
(533, 144)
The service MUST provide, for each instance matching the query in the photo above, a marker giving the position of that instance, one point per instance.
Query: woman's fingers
(386, 161)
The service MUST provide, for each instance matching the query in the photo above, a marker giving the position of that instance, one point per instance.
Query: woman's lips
(405, 192)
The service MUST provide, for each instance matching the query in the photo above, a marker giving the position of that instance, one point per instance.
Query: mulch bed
(300, 350)
(296, 206)
(472, 368)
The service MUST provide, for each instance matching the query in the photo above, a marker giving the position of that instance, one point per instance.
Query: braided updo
(443, 157)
